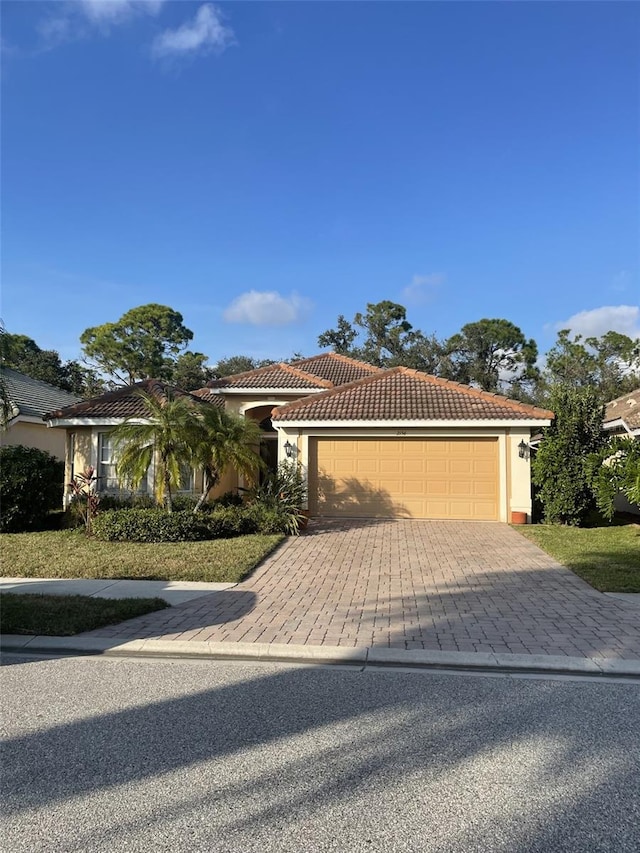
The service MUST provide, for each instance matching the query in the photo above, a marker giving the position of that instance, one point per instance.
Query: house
(622, 415)
(29, 399)
(85, 428)
(370, 442)
(622, 418)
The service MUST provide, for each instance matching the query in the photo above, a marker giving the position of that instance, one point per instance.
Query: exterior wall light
(289, 449)
(523, 450)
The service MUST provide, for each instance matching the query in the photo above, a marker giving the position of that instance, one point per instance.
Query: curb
(362, 656)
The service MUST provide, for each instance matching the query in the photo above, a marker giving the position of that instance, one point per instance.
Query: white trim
(24, 419)
(259, 404)
(101, 422)
(398, 424)
(619, 422)
(299, 392)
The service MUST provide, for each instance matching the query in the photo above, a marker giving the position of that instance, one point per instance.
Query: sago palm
(170, 433)
(225, 440)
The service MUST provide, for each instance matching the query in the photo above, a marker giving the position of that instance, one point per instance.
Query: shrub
(616, 468)
(150, 525)
(283, 493)
(227, 499)
(31, 486)
(559, 468)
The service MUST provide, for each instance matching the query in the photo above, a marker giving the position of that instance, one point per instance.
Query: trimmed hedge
(31, 484)
(156, 525)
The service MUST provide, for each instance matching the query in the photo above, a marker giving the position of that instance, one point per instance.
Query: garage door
(404, 478)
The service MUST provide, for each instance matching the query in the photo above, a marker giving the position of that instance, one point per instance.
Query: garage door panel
(420, 478)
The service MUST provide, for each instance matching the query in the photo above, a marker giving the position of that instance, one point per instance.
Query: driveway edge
(363, 656)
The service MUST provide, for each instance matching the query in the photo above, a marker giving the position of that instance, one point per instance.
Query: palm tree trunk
(209, 479)
(167, 490)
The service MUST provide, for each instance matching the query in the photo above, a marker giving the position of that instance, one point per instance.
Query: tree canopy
(143, 344)
(22, 353)
(490, 354)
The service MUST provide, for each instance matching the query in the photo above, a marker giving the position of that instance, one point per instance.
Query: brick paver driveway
(458, 586)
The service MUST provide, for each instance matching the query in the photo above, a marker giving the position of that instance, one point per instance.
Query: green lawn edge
(66, 615)
(607, 558)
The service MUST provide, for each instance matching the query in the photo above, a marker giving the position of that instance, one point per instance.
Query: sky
(263, 167)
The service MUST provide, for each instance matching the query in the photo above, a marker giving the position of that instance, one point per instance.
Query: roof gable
(32, 397)
(121, 403)
(402, 394)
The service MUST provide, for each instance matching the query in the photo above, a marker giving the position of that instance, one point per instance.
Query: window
(107, 476)
(186, 479)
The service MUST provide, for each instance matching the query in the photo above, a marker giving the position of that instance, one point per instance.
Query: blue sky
(264, 167)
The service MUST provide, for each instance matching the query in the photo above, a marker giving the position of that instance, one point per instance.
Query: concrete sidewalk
(361, 656)
(173, 592)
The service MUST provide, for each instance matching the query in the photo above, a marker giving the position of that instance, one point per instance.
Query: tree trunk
(208, 482)
(167, 490)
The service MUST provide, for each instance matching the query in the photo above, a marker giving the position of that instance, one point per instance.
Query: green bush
(150, 525)
(227, 499)
(31, 486)
(282, 493)
(560, 468)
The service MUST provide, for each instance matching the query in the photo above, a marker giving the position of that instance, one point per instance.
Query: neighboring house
(622, 417)
(29, 399)
(372, 443)
(85, 428)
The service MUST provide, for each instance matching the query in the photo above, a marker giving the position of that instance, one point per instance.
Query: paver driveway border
(440, 586)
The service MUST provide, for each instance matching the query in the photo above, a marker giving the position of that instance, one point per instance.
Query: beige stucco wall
(35, 435)
(514, 472)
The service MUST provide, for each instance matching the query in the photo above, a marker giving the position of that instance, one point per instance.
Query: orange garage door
(404, 478)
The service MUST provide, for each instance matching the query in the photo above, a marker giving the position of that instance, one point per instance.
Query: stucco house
(370, 442)
(29, 399)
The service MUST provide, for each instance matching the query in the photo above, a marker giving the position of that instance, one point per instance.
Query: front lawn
(606, 557)
(63, 615)
(69, 554)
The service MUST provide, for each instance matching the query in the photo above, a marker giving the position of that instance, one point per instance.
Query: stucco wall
(35, 435)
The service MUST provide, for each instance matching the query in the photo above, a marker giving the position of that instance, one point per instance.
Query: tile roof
(121, 403)
(626, 409)
(32, 397)
(280, 375)
(210, 395)
(401, 394)
(338, 369)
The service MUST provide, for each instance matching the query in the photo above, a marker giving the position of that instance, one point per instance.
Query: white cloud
(77, 19)
(617, 318)
(267, 308)
(423, 287)
(206, 32)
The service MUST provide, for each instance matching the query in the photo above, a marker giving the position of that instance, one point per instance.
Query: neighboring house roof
(338, 369)
(281, 376)
(32, 398)
(624, 412)
(401, 394)
(122, 403)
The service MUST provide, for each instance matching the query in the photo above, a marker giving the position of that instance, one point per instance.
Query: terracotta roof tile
(625, 408)
(121, 403)
(210, 395)
(338, 369)
(272, 376)
(406, 395)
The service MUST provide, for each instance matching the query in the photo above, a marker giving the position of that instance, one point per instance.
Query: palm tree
(170, 433)
(225, 440)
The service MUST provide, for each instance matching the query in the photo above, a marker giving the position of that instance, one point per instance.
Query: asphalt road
(150, 755)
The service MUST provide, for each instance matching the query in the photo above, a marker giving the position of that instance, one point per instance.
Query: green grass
(63, 615)
(69, 554)
(606, 557)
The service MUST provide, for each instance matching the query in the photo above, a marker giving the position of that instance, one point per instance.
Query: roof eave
(417, 423)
